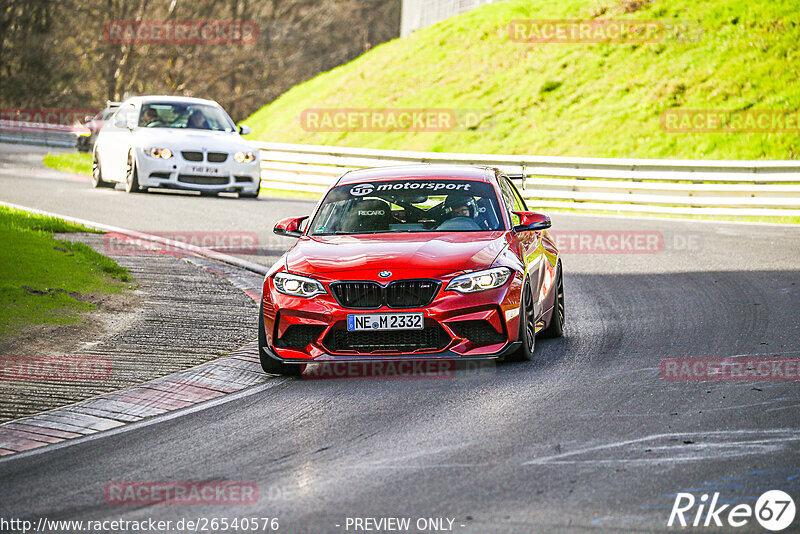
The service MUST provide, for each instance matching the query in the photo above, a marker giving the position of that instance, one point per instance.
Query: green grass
(75, 162)
(14, 219)
(600, 100)
(46, 280)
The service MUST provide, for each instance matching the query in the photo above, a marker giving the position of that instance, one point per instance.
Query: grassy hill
(578, 99)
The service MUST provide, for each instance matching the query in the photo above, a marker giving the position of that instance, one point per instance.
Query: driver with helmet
(458, 206)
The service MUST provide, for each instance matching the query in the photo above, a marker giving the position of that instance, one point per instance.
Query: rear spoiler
(112, 104)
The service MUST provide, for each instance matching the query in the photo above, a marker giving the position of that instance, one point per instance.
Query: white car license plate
(204, 169)
(385, 321)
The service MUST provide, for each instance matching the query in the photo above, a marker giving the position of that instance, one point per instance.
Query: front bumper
(444, 355)
(178, 173)
(476, 326)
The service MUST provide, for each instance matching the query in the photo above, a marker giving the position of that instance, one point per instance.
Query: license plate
(203, 169)
(385, 321)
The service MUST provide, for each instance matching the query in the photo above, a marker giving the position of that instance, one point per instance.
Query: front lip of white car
(171, 173)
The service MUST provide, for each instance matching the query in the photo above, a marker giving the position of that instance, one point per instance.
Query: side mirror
(290, 227)
(244, 129)
(530, 221)
(88, 118)
(130, 123)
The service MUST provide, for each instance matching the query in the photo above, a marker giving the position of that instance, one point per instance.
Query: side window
(121, 118)
(118, 122)
(518, 196)
(512, 201)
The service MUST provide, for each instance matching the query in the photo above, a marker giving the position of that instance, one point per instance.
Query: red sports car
(412, 262)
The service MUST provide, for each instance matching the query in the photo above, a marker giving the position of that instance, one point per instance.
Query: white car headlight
(163, 153)
(297, 286)
(244, 157)
(480, 280)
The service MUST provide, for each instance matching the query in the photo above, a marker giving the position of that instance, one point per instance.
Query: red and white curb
(235, 372)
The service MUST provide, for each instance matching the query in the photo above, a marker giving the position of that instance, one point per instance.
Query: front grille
(430, 338)
(478, 332)
(203, 180)
(217, 157)
(299, 336)
(240, 179)
(410, 293)
(399, 294)
(192, 156)
(358, 294)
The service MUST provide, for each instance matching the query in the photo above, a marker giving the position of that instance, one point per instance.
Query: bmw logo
(385, 274)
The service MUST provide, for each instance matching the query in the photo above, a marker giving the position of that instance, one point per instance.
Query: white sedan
(175, 143)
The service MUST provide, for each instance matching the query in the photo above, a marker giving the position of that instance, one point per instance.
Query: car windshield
(179, 115)
(436, 205)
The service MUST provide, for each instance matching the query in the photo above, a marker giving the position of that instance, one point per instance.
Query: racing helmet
(455, 202)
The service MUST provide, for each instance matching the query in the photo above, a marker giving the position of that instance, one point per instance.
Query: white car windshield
(435, 205)
(179, 115)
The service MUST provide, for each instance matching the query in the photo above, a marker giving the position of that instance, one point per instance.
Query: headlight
(244, 157)
(297, 286)
(480, 280)
(163, 153)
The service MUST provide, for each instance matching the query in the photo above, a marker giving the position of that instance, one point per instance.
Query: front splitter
(446, 355)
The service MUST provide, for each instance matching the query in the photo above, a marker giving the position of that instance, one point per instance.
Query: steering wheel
(459, 223)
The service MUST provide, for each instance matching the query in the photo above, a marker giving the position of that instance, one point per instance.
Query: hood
(191, 139)
(437, 254)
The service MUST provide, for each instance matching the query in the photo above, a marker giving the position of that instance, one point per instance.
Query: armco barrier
(738, 188)
(679, 187)
(29, 133)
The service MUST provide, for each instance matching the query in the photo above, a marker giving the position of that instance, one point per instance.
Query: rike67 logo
(774, 510)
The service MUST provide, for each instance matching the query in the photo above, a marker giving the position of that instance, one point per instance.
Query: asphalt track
(586, 438)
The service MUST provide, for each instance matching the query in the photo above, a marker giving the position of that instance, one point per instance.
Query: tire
(97, 174)
(268, 363)
(132, 176)
(556, 327)
(527, 328)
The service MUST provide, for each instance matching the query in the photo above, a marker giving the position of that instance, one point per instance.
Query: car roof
(167, 99)
(419, 172)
